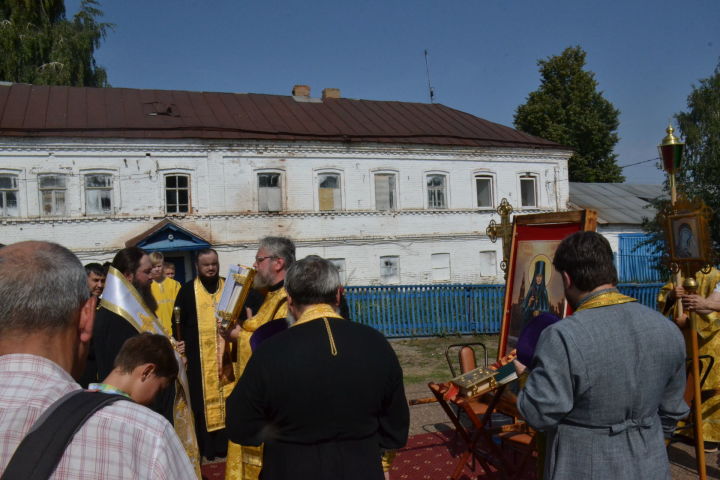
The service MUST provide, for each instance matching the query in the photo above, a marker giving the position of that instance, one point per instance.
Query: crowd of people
(127, 329)
(294, 389)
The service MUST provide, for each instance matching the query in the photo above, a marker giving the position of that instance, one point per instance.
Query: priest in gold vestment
(164, 290)
(274, 256)
(703, 308)
(209, 369)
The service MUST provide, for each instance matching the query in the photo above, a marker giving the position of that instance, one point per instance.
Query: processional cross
(504, 231)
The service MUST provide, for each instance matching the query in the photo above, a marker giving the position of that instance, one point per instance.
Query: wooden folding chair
(478, 435)
(466, 358)
(466, 361)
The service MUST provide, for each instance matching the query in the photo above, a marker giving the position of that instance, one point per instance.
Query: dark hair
(148, 348)
(204, 251)
(312, 280)
(42, 286)
(588, 259)
(127, 260)
(280, 247)
(95, 268)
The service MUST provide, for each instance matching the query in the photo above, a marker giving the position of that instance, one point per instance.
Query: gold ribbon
(604, 299)
(313, 312)
(324, 311)
(211, 349)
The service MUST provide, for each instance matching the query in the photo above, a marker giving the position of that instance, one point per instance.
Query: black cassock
(321, 416)
(110, 331)
(211, 444)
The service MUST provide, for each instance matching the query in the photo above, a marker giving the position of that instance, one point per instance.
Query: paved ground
(430, 418)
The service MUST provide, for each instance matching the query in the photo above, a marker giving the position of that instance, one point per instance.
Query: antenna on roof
(431, 92)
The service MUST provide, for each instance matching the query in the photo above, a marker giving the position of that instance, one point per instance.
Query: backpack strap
(40, 451)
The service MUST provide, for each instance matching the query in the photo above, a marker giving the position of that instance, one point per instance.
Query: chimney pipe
(301, 91)
(330, 93)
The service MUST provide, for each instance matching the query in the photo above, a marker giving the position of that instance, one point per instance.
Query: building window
(488, 263)
(390, 269)
(98, 194)
(269, 192)
(329, 194)
(177, 193)
(440, 263)
(437, 193)
(484, 189)
(528, 195)
(8, 196)
(340, 265)
(385, 197)
(52, 194)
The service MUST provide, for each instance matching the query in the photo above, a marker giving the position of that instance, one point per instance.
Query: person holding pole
(701, 308)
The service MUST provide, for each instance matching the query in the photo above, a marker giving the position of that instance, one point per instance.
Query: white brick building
(394, 192)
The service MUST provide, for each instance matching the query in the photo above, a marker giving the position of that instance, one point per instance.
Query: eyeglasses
(260, 259)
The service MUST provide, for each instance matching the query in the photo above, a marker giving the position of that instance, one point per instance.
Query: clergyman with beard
(274, 257)
(111, 328)
(209, 368)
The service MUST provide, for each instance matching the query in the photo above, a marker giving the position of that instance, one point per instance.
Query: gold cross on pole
(503, 230)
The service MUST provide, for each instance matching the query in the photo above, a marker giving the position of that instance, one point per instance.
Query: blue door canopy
(167, 236)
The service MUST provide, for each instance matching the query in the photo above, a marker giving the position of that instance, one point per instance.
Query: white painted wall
(224, 199)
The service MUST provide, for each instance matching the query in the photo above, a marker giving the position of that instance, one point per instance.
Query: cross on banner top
(503, 230)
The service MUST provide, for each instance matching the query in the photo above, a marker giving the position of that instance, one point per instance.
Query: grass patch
(423, 359)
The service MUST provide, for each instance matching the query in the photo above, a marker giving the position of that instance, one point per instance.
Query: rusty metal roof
(44, 111)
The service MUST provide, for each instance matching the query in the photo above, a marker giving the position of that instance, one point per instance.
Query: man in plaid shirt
(46, 319)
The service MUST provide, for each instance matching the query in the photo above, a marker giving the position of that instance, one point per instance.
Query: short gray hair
(312, 280)
(42, 286)
(280, 247)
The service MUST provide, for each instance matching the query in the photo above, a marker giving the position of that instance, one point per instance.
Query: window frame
(54, 193)
(384, 278)
(14, 178)
(434, 269)
(166, 189)
(488, 176)
(494, 263)
(340, 204)
(446, 189)
(111, 189)
(394, 192)
(524, 177)
(281, 188)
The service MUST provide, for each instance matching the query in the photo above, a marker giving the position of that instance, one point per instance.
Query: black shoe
(712, 447)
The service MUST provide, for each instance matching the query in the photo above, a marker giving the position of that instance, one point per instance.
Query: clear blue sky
(483, 53)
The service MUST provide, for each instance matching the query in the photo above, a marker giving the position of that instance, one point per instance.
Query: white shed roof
(620, 203)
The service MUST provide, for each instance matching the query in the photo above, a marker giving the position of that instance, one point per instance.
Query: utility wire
(638, 163)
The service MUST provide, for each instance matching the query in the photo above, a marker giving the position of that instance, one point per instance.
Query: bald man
(46, 322)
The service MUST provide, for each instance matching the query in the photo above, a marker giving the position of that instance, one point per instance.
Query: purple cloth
(271, 328)
(527, 341)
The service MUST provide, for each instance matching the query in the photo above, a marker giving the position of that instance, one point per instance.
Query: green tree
(568, 109)
(699, 174)
(39, 45)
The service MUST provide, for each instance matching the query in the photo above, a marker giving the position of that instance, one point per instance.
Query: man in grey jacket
(608, 380)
